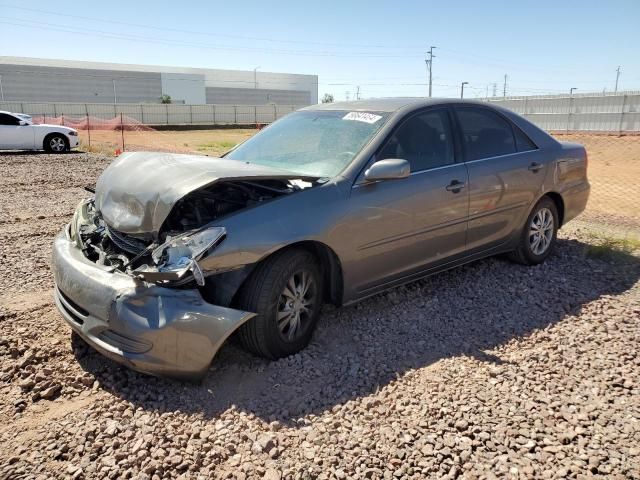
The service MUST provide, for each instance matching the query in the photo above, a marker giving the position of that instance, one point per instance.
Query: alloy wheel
(541, 231)
(295, 305)
(57, 144)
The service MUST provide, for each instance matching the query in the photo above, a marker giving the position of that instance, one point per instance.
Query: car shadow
(360, 349)
(20, 153)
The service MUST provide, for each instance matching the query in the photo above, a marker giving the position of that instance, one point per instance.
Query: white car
(20, 134)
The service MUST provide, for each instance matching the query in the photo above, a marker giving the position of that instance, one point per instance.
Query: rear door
(506, 172)
(13, 135)
(400, 227)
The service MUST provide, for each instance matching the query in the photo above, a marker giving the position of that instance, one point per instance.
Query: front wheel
(286, 293)
(56, 143)
(539, 234)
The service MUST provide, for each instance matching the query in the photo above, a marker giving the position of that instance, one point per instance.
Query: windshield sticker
(362, 117)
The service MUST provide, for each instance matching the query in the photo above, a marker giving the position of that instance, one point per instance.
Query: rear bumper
(575, 200)
(152, 329)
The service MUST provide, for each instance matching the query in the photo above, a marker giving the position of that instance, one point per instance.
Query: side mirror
(387, 169)
(23, 123)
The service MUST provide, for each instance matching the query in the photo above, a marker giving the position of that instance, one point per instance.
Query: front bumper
(156, 330)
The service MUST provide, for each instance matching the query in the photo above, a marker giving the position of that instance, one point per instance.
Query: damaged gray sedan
(332, 203)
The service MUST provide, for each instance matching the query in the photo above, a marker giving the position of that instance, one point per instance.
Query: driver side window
(424, 140)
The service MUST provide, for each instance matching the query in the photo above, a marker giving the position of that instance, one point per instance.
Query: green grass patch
(216, 147)
(613, 248)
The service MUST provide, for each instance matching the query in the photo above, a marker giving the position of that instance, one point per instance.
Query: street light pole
(462, 88)
(255, 77)
(115, 96)
(570, 107)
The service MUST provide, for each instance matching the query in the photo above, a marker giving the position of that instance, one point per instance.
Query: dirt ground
(211, 142)
(490, 370)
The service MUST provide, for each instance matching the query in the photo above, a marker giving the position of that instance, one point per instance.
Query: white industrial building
(70, 81)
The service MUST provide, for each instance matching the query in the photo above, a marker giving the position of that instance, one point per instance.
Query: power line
(118, 36)
(210, 34)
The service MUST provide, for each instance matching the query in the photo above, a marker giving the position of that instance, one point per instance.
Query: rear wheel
(56, 143)
(538, 235)
(286, 293)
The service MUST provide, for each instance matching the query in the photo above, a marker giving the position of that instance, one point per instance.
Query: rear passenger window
(523, 143)
(424, 140)
(484, 133)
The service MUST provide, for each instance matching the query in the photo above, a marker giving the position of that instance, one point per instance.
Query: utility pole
(1, 91)
(487, 95)
(462, 88)
(617, 77)
(495, 90)
(115, 96)
(504, 89)
(429, 62)
(358, 92)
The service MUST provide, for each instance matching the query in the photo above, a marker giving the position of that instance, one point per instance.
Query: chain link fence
(614, 175)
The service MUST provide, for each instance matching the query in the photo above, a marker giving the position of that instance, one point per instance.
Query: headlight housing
(81, 216)
(73, 133)
(180, 254)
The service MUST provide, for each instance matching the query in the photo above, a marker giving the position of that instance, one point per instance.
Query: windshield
(316, 143)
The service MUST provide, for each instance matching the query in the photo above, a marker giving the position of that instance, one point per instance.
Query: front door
(13, 135)
(402, 227)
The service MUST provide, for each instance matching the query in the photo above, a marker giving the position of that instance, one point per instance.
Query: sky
(376, 48)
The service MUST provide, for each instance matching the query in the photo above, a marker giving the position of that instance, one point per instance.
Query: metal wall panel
(184, 88)
(256, 96)
(28, 83)
(51, 80)
(606, 113)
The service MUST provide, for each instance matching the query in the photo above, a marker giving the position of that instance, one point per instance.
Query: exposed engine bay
(172, 253)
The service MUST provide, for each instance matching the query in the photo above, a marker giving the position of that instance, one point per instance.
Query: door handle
(534, 167)
(455, 186)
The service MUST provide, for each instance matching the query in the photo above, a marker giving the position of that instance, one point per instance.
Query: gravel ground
(490, 370)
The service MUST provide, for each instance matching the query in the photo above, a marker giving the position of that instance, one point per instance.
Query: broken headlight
(81, 216)
(180, 254)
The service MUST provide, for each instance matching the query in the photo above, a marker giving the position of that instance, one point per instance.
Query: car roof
(391, 104)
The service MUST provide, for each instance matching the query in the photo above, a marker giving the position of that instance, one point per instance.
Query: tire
(528, 251)
(264, 293)
(56, 143)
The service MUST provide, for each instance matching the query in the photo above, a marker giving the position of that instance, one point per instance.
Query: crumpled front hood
(136, 193)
